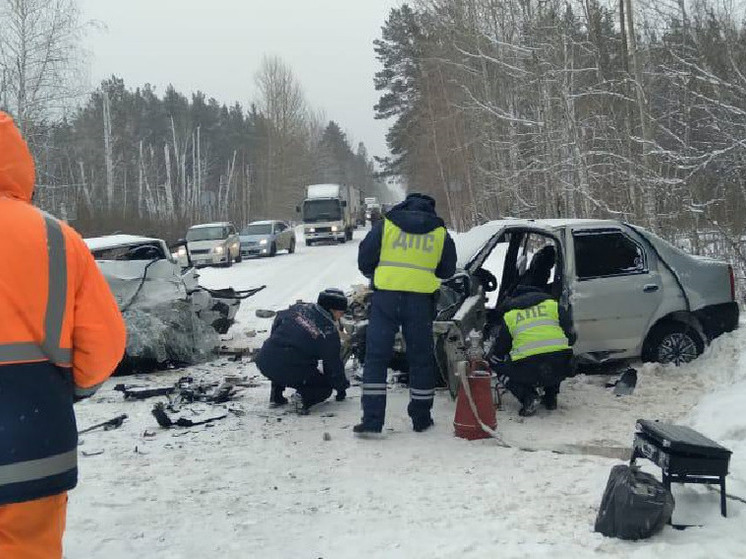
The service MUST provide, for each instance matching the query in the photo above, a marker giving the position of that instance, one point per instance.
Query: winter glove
(341, 395)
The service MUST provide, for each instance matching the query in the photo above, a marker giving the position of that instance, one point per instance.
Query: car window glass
(606, 253)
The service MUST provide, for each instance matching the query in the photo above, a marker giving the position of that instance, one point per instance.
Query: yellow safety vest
(408, 261)
(536, 330)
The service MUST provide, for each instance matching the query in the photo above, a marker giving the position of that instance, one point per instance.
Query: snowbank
(267, 483)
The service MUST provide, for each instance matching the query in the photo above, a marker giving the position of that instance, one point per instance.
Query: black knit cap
(332, 300)
(424, 197)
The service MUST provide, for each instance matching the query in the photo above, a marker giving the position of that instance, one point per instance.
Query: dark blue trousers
(413, 312)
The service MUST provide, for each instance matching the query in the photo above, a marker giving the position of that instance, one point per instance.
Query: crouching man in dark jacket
(301, 336)
(531, 348)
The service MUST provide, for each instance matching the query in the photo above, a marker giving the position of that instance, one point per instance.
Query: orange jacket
(57, 316)
(92, 326)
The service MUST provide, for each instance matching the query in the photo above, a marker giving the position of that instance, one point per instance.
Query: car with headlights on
(212, 244)
(265, 238)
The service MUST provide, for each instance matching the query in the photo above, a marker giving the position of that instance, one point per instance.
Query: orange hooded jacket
(61, 333)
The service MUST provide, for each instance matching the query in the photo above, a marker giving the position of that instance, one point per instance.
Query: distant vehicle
(265, 238)
(371, 201)
(329, 212)
(213, 244)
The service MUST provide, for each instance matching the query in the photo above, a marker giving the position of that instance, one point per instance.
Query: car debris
(107, 425)
(625, 384)
(143, 393)
(185, 391)
(159, 412)
(171, 319)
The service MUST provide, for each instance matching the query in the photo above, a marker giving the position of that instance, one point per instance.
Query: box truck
(329, 212)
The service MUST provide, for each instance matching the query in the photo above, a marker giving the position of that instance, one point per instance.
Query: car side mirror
(177, 246)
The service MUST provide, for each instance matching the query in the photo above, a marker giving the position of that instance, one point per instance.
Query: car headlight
(182, 251)
(312, 230)
(263, 242)
(335, 228)
(219, 250)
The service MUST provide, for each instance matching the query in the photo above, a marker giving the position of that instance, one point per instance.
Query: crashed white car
(630, 294)
(171, 319)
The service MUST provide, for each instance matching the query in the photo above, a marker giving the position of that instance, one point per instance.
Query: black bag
(635, 505)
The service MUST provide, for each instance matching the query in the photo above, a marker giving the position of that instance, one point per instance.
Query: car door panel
(614, 294)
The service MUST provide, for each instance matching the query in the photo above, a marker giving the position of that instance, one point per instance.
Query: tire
(672, 342)
(273, 249)
(229, 260)
(291, 249)
(349, 234)
(239, 258)
(309, 243)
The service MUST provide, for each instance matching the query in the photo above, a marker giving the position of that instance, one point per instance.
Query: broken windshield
(321, 210)
(206, 234)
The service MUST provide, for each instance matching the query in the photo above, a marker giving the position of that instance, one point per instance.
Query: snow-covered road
(267, 483)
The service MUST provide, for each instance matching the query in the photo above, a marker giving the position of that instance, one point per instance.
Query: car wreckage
(171, 319)
(629, 293)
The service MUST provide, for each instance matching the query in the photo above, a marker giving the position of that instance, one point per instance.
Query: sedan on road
(265, 238)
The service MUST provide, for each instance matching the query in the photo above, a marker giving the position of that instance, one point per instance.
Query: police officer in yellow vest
(405, 255)
(531, 347)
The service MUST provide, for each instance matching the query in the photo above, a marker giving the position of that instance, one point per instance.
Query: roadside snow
(266, 483)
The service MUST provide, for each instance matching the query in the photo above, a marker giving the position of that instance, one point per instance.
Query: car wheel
(229, 260)
(239, 258)
(309, 243)
(291, 250)
(673, 342)
(273, 249)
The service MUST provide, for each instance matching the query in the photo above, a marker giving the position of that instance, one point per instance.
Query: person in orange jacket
(61, 336)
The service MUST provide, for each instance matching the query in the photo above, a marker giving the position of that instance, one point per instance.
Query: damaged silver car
(631, 294)
(171, 319)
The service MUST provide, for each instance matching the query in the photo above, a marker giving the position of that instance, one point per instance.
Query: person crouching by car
(301, 336)
(532, 348)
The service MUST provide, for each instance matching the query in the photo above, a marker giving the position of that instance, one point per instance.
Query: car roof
(265, 222)
(216, 224)
(114, 241)
(469, 243)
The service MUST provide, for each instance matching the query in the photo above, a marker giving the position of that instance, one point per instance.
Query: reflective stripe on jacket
(61, 334)
(535, 330)
(408, 261)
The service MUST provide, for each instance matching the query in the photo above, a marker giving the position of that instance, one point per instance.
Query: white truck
(329, 212)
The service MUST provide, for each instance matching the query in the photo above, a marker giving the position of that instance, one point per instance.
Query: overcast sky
(217, 46)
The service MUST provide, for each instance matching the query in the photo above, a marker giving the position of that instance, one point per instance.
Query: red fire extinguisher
(475, 409)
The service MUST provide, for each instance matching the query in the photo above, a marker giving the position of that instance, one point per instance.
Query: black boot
(420, 425)
(363, 431)
(276, 398)
(530, 403)
(549, 399)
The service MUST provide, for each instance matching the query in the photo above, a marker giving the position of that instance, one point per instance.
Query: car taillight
(732, 283)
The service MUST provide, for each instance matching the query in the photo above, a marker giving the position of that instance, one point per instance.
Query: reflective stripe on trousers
(49, 349)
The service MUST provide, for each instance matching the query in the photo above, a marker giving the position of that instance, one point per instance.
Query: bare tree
(39, 56)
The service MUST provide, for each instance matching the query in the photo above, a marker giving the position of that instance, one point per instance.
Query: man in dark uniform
(301, 336)
(531, 347)
(405, 254)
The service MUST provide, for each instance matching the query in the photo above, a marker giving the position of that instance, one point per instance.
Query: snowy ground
(267, 483)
